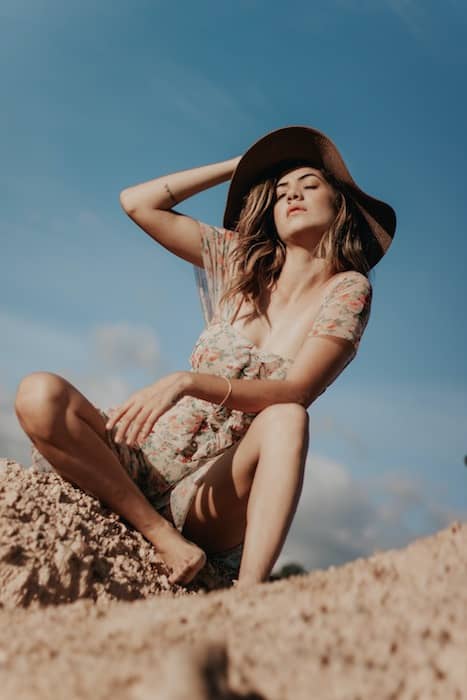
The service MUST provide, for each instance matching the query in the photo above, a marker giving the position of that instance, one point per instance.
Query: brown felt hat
(303, 143)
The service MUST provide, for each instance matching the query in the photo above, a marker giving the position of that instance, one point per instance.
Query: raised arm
(149, 206)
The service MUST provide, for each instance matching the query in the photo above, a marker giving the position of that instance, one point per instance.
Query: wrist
(235, 161)
(187, 382)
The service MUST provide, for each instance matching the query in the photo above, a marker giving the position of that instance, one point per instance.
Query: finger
(110, 420)
(138, 425)
(147, 426)
(149, 423)
(117, 413)
(126, 421)
(151, 420)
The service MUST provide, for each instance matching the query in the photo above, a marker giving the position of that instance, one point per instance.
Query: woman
(286, 296)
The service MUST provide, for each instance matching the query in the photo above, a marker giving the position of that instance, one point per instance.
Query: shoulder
(348, 297)
(345, 309)
(348, 289)
(349, 280)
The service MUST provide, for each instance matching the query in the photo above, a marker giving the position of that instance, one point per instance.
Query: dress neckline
(328, 289)
(258, 351)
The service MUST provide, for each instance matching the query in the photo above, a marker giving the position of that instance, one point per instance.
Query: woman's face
(304, 203)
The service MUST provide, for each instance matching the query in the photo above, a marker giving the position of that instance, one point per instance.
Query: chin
(295, 227)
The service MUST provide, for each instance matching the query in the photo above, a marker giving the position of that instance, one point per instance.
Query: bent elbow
(125, 201)
(306, 398)
(304, 401)
(299, 395)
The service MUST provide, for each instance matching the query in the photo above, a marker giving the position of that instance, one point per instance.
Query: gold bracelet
(169, 191)
(229, 391)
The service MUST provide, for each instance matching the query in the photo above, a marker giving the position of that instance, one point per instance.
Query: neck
(302, 273)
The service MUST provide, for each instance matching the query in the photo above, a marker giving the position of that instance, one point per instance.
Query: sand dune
(87, 612)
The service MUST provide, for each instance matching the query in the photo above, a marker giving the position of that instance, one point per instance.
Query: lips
(291, 210)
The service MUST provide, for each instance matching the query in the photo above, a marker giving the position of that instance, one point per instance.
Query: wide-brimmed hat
(305, 144)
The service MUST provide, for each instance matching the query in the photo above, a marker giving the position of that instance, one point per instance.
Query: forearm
(249, 396)
(163, 192)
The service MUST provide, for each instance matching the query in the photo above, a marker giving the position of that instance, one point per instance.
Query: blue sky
(101, 96)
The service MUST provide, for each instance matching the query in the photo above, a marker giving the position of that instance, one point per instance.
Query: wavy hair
(260, 252)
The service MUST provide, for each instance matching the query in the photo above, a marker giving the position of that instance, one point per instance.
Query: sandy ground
(86, 611)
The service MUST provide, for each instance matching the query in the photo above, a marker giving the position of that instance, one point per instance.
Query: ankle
(159, 532)
(247, 581)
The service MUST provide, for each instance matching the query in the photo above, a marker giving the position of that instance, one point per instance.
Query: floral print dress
(189, 437)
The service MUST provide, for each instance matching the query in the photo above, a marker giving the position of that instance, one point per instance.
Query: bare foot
(185, 558)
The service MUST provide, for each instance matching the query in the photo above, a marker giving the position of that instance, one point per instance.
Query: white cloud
(126, 346)
(103, 390)
(340, 518)
(106, 364)
(120, 346)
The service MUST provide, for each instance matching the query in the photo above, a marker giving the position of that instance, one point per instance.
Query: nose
(293, 191)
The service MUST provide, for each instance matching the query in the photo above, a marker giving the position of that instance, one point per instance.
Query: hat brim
(306, 144)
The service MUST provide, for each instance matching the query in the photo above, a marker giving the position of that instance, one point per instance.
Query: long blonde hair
(260, 253)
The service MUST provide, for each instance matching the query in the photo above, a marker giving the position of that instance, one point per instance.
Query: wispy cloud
(411, 13)
(124, 346)
(329, 426)
(427, 418)
(201, 99)
(432, 24)
(121, 346)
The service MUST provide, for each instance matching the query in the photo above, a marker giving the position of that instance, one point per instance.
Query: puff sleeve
(345, 310)
(217, 244)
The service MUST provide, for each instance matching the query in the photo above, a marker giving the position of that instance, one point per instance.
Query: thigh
(217, 516)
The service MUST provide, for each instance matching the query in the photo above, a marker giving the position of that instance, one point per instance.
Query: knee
(286, 416)
(39, 397)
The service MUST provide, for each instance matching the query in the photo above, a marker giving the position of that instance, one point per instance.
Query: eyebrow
(279, 184)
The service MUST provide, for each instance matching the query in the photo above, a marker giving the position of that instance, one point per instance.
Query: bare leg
(251, 491)
(275, 492)
(70, 433)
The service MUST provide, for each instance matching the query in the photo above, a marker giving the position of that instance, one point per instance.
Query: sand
(86, 611)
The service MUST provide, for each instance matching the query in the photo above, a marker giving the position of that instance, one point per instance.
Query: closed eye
(280, 195)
